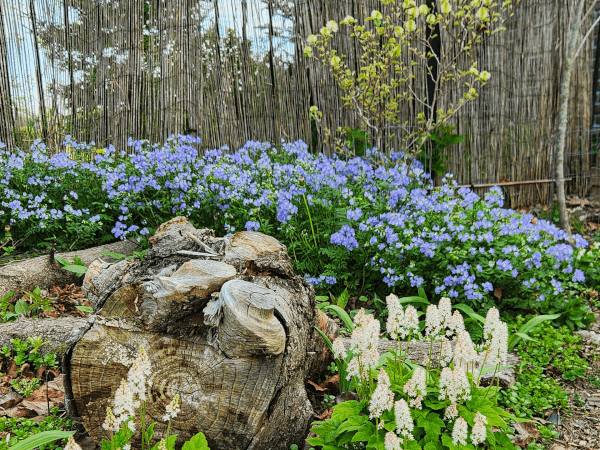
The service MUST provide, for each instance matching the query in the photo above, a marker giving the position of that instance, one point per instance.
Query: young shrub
(410, 41)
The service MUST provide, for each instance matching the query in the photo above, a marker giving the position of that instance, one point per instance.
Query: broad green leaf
(364, 433)
(432, 424)
(43, 438)
(413, 445)
(434, 444)
(63, 262)
(353, 423)
(343, 315)
(149, 432)
(503, 440)
(85, 309)
(328, 430)
(21, 307)
(79, 270)
(422, 293)
(7, 296)
(197, 442)
(313, 441)
(346, 409)
(447, 441)
(77, 261)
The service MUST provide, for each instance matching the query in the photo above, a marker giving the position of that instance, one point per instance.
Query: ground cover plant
(338, 217)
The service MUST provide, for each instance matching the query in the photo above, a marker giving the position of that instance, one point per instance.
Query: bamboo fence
(230, 71)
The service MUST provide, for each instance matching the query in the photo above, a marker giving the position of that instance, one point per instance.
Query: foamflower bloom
(479, 432)
(460, 431)
(383, 397)
(404, 422)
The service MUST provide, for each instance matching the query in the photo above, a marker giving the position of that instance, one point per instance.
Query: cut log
(45, 272)
(419, 351)
(225, 324)
(59, 333)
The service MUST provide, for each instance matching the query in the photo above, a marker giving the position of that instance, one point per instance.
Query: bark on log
(59, 333)
(45, 272)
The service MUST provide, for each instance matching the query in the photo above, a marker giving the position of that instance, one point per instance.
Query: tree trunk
(563, 116)
(225, 324)
(45, 271)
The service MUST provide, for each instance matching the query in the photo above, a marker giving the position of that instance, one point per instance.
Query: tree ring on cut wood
(220, 393)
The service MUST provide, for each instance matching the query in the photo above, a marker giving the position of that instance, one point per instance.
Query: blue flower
(252, 226)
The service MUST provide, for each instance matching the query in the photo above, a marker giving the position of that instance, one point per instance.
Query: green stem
(310, 219)
(142, 420)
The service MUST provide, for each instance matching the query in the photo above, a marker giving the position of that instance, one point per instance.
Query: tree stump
(225, 324)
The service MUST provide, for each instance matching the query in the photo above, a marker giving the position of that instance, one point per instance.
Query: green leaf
(117, 256)
(342, 300)
(347, 409)
(434, 445)
(431, 423)
(197, 442)
(485, 407)
(422, 293)
(343, 315)
(77, 261)
(353, 423)
(365, 432)
(63, 262)
(447, 441)
(328, 430)
(413, 445)
(21, 307)
(469, 312)
(327, 340)
(529, 326)
(43, 438)
(7, 296)
(503, 440)
(313, 441)
(85, 308)
(434, 404)
(414, 300)
(75, 268)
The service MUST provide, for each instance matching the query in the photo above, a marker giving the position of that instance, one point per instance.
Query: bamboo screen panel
(233, 70)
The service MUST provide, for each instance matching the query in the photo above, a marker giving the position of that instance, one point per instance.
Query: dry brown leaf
(325, 415)
(498, 293)
(316, 386)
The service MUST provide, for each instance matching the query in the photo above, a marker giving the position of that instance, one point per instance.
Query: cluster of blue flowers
(356, 222)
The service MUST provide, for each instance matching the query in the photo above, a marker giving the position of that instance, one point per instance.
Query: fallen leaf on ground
(332, 384)
(325, 415)
(316, 386)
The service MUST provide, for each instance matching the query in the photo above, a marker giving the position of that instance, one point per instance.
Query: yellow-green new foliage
(400, 50)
